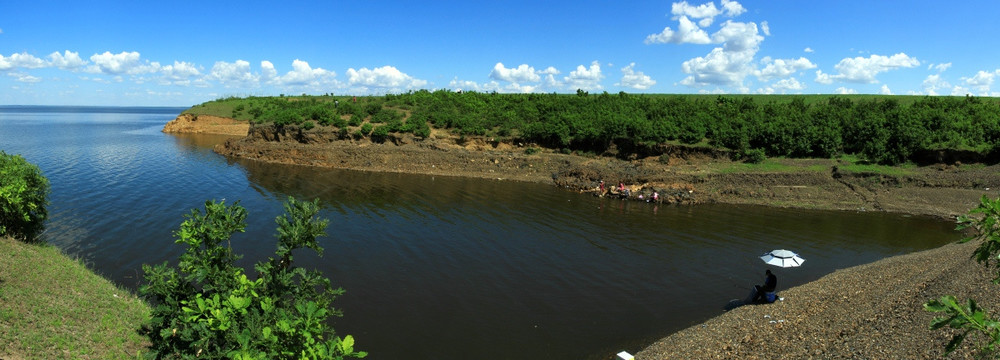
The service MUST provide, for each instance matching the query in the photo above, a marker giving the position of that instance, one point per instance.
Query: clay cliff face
(206, 124)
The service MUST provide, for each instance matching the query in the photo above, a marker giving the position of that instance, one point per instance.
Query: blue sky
(183, 53)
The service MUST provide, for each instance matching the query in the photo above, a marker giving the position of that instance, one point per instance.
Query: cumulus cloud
(780, 68)
(585, 78)
(302, 74)
(845, 91)
(982, 81)
(521, 74)
(635, 79)
(809, 50)
(267, 71)
(20, 60)
(863, 70)
(933, 83)
(236, 74)
(687, 32)
(729, 64)
(386, 77)
(180, 70)
(885, 90)
(121, 63)
(68, 60)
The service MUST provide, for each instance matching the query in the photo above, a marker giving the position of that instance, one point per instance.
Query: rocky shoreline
(869, 311)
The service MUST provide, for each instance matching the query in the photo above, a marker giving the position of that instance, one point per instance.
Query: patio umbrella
(782, 258)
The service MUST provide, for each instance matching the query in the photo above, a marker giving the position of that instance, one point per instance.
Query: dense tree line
(880, 129)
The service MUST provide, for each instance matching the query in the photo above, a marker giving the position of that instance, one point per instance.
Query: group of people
(625, 192)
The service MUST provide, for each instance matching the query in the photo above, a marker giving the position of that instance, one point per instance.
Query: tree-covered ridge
(882, 129)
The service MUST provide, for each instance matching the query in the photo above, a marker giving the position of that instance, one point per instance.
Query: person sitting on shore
(770, 284)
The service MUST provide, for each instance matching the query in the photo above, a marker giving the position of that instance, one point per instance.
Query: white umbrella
(782, 258)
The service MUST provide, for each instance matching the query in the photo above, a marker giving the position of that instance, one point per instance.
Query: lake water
(439, 267)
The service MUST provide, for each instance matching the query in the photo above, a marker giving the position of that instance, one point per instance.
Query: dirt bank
(680, 174)
(206, 124)
(872, 311)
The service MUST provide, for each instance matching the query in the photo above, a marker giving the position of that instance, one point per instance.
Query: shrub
(531, 151)
(366, 128)
(308, 125)
(208, 307)
(380, 133)
(23, 196)
(754, 156)
(356, 119)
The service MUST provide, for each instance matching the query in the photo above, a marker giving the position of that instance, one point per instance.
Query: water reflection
(442, 267)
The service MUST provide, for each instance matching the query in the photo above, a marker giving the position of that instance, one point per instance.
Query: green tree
(968, 317)
(23, 196)
(208, 307)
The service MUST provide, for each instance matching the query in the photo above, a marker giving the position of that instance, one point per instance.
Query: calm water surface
(439, 267)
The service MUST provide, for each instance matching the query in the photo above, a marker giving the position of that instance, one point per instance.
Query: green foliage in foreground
(208, 307)
(23, 196)
(880, 129)
(969, 317)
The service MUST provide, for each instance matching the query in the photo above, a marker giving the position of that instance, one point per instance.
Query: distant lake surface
(439, 267)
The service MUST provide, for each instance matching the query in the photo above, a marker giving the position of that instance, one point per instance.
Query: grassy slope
(52, 306)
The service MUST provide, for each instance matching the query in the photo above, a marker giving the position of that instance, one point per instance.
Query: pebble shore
(872, 311)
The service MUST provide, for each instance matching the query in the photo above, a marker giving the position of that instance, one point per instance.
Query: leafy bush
(380, 133)
(308, 125)
(366, 128)
(23, 196)
(208, 307)
(754, 156)
(969, 317)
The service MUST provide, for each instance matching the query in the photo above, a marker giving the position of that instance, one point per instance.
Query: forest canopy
(880, 129)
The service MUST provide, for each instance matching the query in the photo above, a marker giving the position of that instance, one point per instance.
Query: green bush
(23, 196)
(208, 307)
(754, 156)
(308, 125)
(366, 128)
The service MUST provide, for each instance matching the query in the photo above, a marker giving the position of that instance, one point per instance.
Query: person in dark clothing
(770, 283)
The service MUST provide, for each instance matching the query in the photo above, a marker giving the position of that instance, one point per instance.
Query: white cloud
(20, 60)
(845, 91)
(780, 68)
(302, 74)
(635, 79)
(863, 70)
(386, 77)
(765, 28)
(586, 78)
(522, 73)
(885, 90)
(180, 72)
(981, 81)
(464, 85)
(933, 83)
(121, 63)
(268, 73)
(22, 77)
(687, 32)
(939, 67)
(732, 8)
(789, 84)
(809, 50)
(236, 74)
(68, 60)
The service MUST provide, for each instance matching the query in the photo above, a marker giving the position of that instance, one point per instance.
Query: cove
(441, 267)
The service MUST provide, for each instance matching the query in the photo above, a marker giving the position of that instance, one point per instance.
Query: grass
(54, 307)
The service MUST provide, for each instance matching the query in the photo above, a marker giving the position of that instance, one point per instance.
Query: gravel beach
(872, 311)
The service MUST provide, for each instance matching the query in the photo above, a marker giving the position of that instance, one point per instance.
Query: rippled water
(439, 267)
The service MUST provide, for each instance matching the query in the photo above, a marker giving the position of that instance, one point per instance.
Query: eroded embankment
(677, 174)
(206, 124)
